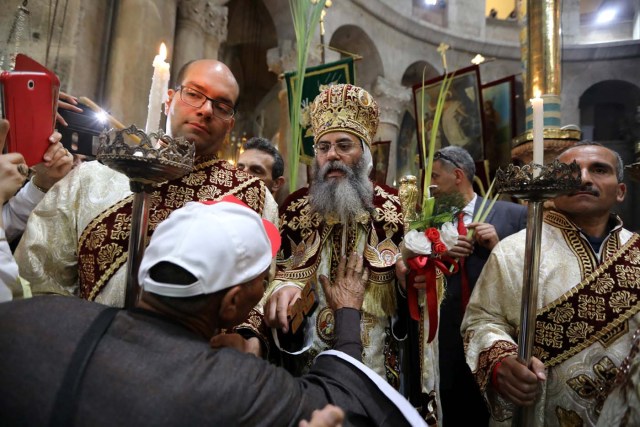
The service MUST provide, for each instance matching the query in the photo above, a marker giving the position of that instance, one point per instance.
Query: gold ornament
(345, 108)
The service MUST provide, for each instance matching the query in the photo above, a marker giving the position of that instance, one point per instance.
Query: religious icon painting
(380, 155)
(461, 120)
(498, 106)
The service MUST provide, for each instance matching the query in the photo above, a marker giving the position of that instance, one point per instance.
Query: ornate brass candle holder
(145, 165)
(535, 183)
(634, 170)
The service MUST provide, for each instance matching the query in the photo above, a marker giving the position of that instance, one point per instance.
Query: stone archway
(353, 39)
(413, 74)
(610, 115)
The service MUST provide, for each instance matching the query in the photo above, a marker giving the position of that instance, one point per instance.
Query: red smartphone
(29, 101)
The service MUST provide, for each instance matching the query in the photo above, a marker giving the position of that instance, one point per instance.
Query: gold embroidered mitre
(345, 108)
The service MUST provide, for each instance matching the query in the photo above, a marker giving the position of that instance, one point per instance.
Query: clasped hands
(485, 235)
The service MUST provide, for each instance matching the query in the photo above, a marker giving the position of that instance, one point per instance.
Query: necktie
(465, 292)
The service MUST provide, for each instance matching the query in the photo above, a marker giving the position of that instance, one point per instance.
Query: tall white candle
(159, 87)
(538, 130)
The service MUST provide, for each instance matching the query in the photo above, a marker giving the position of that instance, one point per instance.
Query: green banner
(334, 73)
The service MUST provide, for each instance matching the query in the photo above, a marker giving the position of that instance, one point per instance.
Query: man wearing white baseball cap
(67, 361)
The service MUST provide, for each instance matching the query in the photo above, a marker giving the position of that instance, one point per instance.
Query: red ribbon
(423, 265)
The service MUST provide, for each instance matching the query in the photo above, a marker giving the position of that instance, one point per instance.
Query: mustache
(334, 165)
(587, 189)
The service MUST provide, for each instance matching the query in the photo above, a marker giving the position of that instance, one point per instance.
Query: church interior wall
(105, 52)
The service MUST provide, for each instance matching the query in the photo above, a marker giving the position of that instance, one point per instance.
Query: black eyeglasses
(196, 99)
(439, 155)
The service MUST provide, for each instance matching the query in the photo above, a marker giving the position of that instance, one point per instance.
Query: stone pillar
(200, 30)
(466, 18)
(129, 72)
(570, 22)
(392, 99)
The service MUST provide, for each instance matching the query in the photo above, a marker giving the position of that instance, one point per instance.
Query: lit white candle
(159, 87)
(538, 130)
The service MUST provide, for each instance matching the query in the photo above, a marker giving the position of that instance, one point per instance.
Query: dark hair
(457, 157)
(167, 272)
(619, 162)
(264, 145)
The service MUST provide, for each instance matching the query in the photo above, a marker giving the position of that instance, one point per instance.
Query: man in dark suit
(453, 171)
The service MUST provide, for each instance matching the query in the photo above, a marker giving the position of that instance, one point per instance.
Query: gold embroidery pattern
(590, 307)
(568, 417)
(157, 216)
(108, 254)
(390, 215)
(612, 244)
(367, 322)
(221, 177)
(391, 359)
(633, 257)
(594, 310)
(301, 253)
(100, 219)
(195, 179)
(154, 199)
(178, 196)
(121, 227)
(595, 389)
(255, 323)
(578, 331)
(549, 333)
(558, 220)
(583, 252)
(381, 255)
(603, 284)
(96, 237)
(628, 276)
(614, 334)
(379, 278)
(208, 192)
(622, 300)
(162, 201)
(488, 358)
(87, 267)
(563, 313)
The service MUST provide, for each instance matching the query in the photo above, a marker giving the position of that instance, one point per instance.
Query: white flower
(449, 234)
(417, 242)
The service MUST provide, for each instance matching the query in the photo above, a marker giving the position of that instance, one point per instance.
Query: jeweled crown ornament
(345, 108)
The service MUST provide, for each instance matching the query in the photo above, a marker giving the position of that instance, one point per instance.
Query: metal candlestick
(634, 170)
(145, 165)
(534, 183)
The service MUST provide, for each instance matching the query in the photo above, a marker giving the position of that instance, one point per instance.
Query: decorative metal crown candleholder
(634, 170)
(145, 165)
(535, 183)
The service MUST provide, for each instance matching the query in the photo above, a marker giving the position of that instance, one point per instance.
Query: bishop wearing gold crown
(342, 212)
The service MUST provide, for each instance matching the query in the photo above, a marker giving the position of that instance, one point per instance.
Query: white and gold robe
(577, 386)
(48, 252)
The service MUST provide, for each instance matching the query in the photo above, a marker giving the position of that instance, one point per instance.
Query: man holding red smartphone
(17, 205)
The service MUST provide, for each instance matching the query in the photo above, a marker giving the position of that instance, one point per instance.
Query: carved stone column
(392, 99)
(201, 29)
(129, 71)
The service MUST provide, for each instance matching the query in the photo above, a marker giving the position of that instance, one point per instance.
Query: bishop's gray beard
(347, 196)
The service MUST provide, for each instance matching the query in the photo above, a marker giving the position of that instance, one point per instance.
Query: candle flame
(536, 93)
(163, 51)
